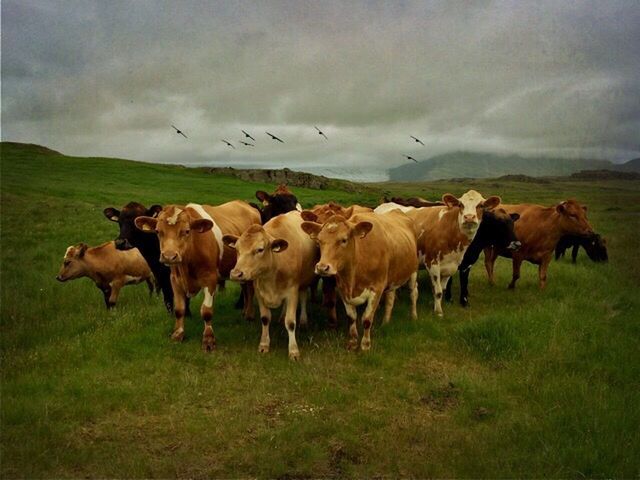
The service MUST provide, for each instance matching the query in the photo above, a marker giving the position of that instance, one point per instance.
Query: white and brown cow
(109, 268)
(191, 244)
(446, 232)
(279, 258)
(370, 256)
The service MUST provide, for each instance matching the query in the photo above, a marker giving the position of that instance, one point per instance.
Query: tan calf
(191, 244)
(279, 258)
(109, 268)
(539, 229)
(370, 256)
(446, 232)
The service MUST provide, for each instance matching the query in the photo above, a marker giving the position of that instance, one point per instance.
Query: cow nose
(169, 257)
(122, 244)
(469, 218)
(322, 268)
(515, 245)
(236, 274)
(59, 278)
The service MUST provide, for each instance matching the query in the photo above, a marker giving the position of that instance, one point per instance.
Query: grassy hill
(486, 165)
(521, 384)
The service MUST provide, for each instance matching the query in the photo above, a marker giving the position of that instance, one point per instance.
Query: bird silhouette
(273, 137)
(179, 132)
(248, 136)
(321, 133)
(224, 141)
(417, 140)
(247, 144)
(410, 158)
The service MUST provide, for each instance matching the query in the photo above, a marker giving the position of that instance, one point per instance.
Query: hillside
(630, 166)
(486, 165)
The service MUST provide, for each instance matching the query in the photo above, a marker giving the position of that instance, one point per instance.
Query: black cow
(594, 245)
(282, 201)
(496, 229)
(148, 245)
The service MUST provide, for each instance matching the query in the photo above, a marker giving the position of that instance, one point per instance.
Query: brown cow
(279, 258)
(191, 244)
(446, 233)
(539, 229)
(109, 268)
(369, 255)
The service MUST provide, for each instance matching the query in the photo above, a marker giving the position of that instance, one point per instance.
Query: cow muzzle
(324, 270)
(515, 245)
(123, 244)
(60, 278)
(237, 275)
(170, 258)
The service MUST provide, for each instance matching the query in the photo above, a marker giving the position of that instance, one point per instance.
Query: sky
(108, 78)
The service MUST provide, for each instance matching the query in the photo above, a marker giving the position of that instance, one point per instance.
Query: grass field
(522, 384)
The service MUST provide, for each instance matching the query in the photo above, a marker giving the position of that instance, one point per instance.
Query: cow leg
(115, 291)
(368, 317)
(352, 313)
(389, 300)
(290, 323)
(303, 295)
(265, 319)
(574, 253)
(490, 256)
(167, 295)
(517, 263)
(447, 291)
(150, 286)
(542, 271)
(437, 290)
(106, 293)
(444, 279)
(248, 311)
(206, 312)
(413, 286)
(329, 299)
(179, 304)
(464, 286)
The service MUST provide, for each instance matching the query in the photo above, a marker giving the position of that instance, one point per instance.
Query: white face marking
(173, 219)
(208, 298)
(217, 233)
(68, 252)
(332, 227)
(470, 201)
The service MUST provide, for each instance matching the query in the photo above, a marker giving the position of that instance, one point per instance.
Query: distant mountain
(487, 165)
(630, 166)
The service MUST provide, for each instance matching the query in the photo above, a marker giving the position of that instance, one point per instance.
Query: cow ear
(279, 245)
(362, 229)
(154, 211)
(146, 224)
(560, 208)
(491, 202)
(514, 216)
(309, 216)
(264, 197)
(348, 212)
(201, 225)
(450, 201)
(81, 249)
(584, 207)
(112, 214)
(311, 228)
(230, 241)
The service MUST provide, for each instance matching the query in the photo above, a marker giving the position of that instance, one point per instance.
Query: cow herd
(280, 253)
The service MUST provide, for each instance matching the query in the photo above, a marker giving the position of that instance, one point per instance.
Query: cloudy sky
(109, 78)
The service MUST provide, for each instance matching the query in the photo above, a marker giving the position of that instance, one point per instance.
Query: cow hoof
(295, 356)
(263, 349)
(208, 344)
(352, 345)
(177, 335)
(440, 314)
(365, 346)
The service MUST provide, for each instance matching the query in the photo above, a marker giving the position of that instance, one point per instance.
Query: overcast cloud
(108, 78)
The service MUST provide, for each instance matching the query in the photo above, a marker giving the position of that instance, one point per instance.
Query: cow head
(282, 201)
(499, 227)
(470, 208)
(254, 248)
(336, 238)
(596, 248)
(130, 236)
(73, 265)
(175, 229)
(321, 213)
(573, 218)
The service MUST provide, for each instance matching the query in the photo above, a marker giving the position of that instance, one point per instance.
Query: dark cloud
(110, 77)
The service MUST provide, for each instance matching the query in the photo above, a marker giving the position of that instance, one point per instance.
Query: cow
(279, 259)
(370, 256)
(496, 229)
(109, 268)
(416, 202)
(539, 229)
(446, 233)
(130, 237)
(281, 201)
(595, 246)
(191, 244)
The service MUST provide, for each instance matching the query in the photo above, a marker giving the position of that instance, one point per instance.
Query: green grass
(522, 384)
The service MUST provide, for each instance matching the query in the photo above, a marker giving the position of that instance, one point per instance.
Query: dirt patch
(442, 398)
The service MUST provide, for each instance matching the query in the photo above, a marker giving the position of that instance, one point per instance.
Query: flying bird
(410, 158)
(179, 132)
(321, 133)
(273, 137)
(247, 144)
(224, 141)
(417, 140)
(248, 136)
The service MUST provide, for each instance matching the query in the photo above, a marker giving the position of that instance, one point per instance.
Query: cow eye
(67, 263)
(184, 233)
(259, 250)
